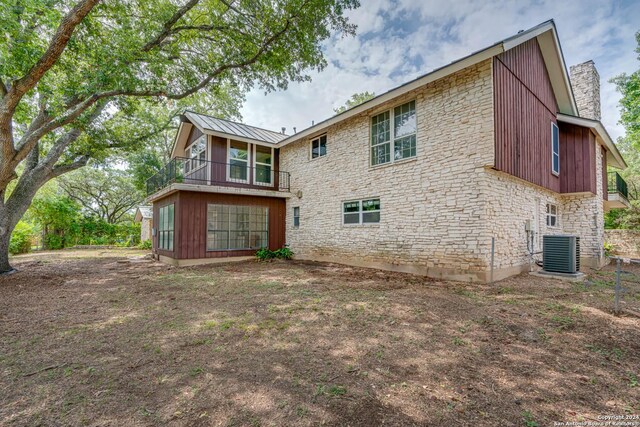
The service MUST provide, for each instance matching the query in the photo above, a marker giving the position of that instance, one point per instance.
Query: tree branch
(57, 45)
(166, 30)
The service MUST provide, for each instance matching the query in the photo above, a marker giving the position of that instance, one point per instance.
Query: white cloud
(398, 41)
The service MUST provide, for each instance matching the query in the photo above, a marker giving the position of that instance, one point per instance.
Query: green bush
(264, 254)
(53, 241)
(21, 239)
(145, 245)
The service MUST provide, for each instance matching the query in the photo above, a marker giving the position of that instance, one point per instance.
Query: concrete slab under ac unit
(570, 277)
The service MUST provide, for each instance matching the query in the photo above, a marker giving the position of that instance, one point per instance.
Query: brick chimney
(585, 82)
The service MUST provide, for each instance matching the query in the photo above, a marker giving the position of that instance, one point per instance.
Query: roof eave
(438, 73)
(601, 132)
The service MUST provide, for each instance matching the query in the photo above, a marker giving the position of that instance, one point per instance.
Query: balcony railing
(238, 173)
(616, 184)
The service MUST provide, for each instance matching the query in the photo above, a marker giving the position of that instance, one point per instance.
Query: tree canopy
(76, 78)
(355, 100)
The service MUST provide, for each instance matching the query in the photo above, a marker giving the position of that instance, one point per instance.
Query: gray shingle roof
(234, 129)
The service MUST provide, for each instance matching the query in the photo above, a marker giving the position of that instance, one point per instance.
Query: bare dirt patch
(91, 338)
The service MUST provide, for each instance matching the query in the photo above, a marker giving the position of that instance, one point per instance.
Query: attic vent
(561, 254)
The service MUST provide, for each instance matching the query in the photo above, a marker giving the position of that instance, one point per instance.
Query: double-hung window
(402, 134)
(552, 215)
(319, 147)
(165, 228)
(196, 154)
(555, 149)
(238, 162)
(361, 212)
(237, 227)
(263, 172)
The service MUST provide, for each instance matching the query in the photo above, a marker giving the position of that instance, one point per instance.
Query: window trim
(271, 182)
(361, 212)
(248, 161)
(392, 136)
(550, 215)
(296, 208)
(554, 128)
(191, 159)
(317, 138)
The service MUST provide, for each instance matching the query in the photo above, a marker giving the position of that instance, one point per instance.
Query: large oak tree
(66, 68)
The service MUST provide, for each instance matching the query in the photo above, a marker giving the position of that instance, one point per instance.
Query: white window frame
(317, 138)
(361, 211)
(191, 159)
(554, 153)
(271, 182)
(392, 136)
(248, 161)
(550, 215)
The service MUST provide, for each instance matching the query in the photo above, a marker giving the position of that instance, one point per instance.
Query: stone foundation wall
(625, 242)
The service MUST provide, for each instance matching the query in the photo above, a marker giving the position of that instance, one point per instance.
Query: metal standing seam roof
(233, 128)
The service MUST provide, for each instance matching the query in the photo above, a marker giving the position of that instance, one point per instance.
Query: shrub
(264, 254)
(21, 239)
(608, 249)
(53, 241)
(145, 245)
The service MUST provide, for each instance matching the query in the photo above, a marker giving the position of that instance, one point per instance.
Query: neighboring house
(419, 179)
(144, 215)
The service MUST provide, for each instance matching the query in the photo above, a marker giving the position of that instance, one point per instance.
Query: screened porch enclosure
(231, 227)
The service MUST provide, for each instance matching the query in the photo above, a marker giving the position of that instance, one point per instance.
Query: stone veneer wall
(440, 209)
(625, 242)
(585, 82)
(432, 212)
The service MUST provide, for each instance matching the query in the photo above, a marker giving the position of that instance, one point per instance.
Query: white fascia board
(601, 132)
(181, 136)
(439, 73)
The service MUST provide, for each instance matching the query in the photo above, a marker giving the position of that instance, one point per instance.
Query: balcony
(188, 173)
(618, 193)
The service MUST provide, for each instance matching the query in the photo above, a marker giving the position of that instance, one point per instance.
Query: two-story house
(491, 151)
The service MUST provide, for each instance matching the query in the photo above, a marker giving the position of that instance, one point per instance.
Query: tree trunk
(6, 228)
(11, 210)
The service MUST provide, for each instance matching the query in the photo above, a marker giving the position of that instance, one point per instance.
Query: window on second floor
(319, 147)
(197, 154)
(555, 149)
(238, 161)
(263, 159)
(402, 134)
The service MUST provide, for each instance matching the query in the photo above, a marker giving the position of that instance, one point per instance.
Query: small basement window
(296, 217)
(319, 147)
(555, 149)
(361, 212)
(552, 215)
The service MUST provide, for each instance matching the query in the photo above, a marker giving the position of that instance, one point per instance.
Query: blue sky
(402, 39)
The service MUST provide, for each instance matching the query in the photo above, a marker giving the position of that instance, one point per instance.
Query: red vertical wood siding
(525, 107)
(577, 159)
(192, 242)
(193, 135)
(175, 199)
